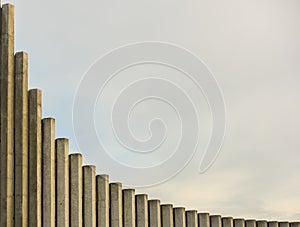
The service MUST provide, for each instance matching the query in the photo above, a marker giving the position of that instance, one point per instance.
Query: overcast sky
(252, 48)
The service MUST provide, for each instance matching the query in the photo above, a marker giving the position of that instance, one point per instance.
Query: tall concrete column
(261, 223)
(272, 224)
(191, 218)
(21, 139)
(203, 220)
(227, 222)
(215, 221)
(129, 207)
(179, 217)
(35, 157)
(48, 172)
(250, 223)
(116, 217)
(75, 189)
(89, 196)
(154, 213)
(295, 224)
(62, 182)
(141, 202)
(102, 200)
(167, 215)
(239, 222)
(283, 224)
(7, 117)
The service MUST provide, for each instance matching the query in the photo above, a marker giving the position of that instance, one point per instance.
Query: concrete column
(295, 224)
(191, 218)
(7, 117)
(141, 202)
(48, 172)
(116, 217)
(89, 196)
(239, 222)
(215, 221)
(250, 223)
(283, 224)
(102, 200)
(62, 182)
(35, 157)
(261, 223)
(203, 220)
(75, 190)
(154, 213)
(272, 224)
(129, 207)
(21, 139)
(179, 217)
(167, 215)
(227, 222)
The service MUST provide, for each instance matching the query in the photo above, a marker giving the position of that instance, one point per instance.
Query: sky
(251, 47)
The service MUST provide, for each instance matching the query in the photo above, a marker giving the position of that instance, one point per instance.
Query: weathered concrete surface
(116, 217)
(62, 182)
(227, 222)
(283, 224)
(272, 224)
(154, 213)
(203, 220)
(215, 221)
(102, 200)
(129, 207)
(191, 218)
(75, 181)
(261, 223)
(179, 217)
(7, 117)
(141, 210)
(250, 223)
(239, 222)
(48, 171)
(35, 157)
(295, 224)
(89, 196)
(167, 215)
(21, 139)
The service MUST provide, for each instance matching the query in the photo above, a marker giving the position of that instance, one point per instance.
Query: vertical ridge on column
(89, 196)
(116, 217)
(141, 203)
(191, 218)
(48, 172)
(250, 223)
(179, 217)
(154, 213)
(167, 215)
(21, 139)
(102, 200)
(203, 220)
(239, 222)
(215, 221)
(7, 116)
(283, 224)
(35, 157)
(129, 207)
(75, 189)
(272, 224)
(62, 182)
(261, 223)
(227, 222)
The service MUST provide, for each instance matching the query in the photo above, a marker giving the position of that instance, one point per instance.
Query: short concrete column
(261, 223)
(283, 224)
(154, 213)
(295, 224)
(273, 224)
(75, 187)
(48, 171)
(116, 217)
(215, 221)
(203, 220)
(239, 222)
(21, 139)
(89, 196)
(7, 117)
(129, 207)
(250, 223)
(191, 218)
(179, 217)
(35, 157)
(102, 195)
(62, 182)
(167, 215)
(141, 203)
(227, 222)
